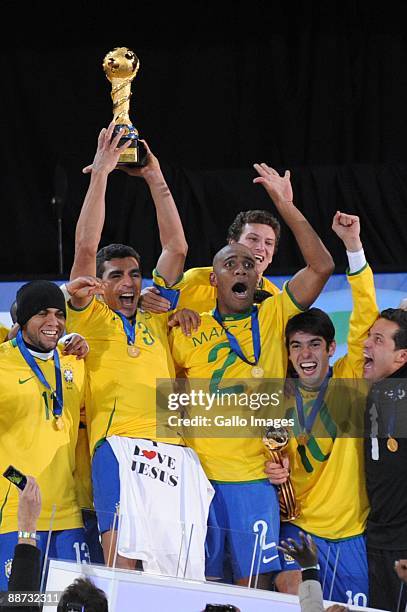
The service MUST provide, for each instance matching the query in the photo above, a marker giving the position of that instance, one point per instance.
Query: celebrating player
(129, 351)
(325, 460)
(240, 341)
(259, 230)
(41, 394)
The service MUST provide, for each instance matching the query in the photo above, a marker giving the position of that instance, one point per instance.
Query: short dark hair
(83, 592)
(398, 316)
(312, 321)
(113, 251)
(253, 216)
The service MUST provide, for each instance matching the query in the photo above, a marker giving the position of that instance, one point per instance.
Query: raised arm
(308, 283)
(92, 217)
(347, 228)
(360, 277)
(170, 264)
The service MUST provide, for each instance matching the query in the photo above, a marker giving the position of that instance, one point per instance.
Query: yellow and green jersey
(30, 441)
(198, 294)
(122, 389)
(207, 356)
(328, 472)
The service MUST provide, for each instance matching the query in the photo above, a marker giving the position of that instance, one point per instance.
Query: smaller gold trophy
(121, 66)
(275, 440)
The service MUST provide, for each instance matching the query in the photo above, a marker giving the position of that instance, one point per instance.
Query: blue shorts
(243, 522)
(106, 486)
(343, 566)
(65, 545)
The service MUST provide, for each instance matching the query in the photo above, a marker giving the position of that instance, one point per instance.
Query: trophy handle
(289, 506)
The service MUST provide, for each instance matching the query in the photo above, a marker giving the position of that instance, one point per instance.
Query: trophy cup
(121, 66)
(275, 440)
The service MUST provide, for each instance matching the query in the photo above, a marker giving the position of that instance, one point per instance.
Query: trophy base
(136, 154)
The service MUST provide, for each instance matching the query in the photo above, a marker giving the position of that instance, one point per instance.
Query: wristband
(65, 291)
(27, 535)
(311, 567)
(172, 295)
(357, 260)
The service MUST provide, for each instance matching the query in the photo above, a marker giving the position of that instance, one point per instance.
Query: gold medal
(257, 372)
(59, 424)
(302, 438)
(133, 351)
(392, 444)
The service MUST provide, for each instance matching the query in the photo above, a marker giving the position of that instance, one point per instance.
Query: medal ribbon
(307, 423)
(390, 424)
(234, 344)
(57, 396)
(129, 328)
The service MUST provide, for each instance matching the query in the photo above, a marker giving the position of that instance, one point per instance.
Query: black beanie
(38, 295)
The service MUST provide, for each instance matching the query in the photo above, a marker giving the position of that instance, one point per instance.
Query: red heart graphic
(149, 454)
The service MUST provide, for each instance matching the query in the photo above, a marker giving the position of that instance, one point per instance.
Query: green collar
(236, 317)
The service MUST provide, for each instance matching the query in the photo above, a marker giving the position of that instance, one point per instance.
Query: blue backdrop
(335, 299)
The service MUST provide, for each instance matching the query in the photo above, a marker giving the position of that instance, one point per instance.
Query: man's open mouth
(259, 258)
(308, 367)
(368, 361)
(127, 299)
(240, 290)
(50, 333)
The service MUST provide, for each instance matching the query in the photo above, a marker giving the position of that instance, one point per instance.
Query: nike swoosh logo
(21, 382)
(268, 559)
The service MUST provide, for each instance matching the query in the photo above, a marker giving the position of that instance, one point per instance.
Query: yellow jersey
(122, 388)
(198, 294)
(83, 475)
(328, 472)
(3, 333)
(30, 441)
(207, 357)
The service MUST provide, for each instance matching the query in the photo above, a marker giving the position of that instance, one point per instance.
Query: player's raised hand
(278, 187)
(347, 228)
(187, 319)
(85, 287)
(150, 171)
(108, 151)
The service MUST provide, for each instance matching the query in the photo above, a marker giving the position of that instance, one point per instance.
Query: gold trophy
(275, 440)
(121, 66)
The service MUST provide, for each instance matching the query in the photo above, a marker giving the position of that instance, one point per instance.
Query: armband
(172, 295)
